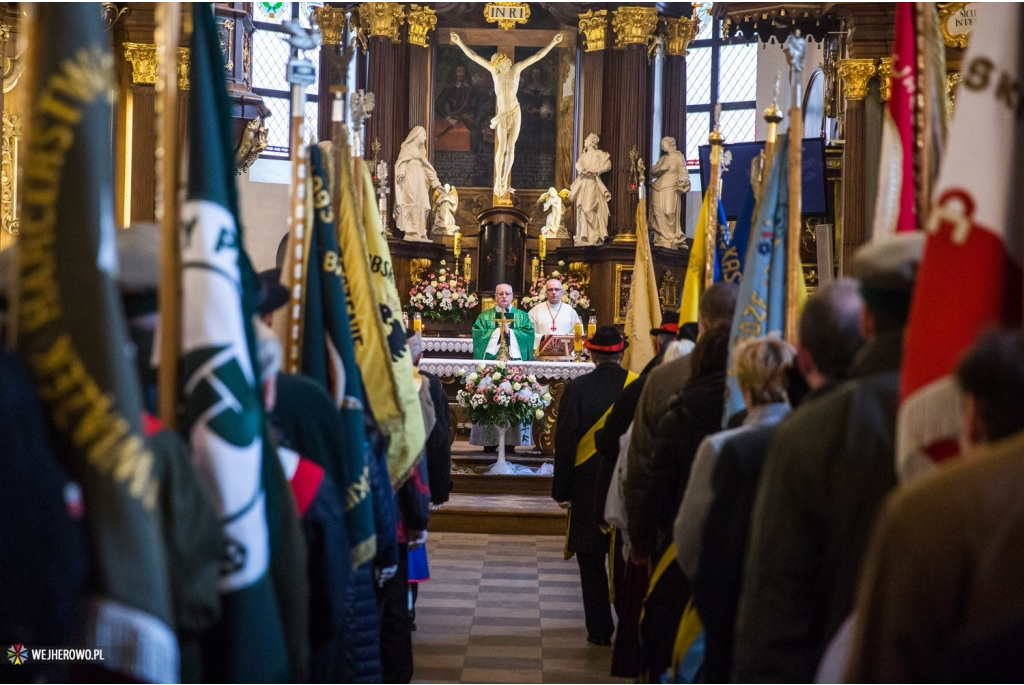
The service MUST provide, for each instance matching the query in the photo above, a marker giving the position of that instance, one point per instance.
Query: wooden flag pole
(168, 173)
(714, 188)
(794, 54)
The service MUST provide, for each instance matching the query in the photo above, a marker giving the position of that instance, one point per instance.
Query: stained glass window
(270, 55)
(719, 72)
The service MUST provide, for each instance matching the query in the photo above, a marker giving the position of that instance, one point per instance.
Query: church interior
(558, 229)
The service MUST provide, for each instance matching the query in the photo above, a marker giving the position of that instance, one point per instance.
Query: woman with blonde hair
(760, 366)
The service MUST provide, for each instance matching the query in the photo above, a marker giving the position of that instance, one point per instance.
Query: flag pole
(714, 188)
(794, 55)
(168, 167)
(300, 73)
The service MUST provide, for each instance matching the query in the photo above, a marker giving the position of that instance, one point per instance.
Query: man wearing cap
(828, 469)
(552, 316)
(585, 405)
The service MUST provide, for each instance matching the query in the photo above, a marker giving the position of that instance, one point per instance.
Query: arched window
(269, 64)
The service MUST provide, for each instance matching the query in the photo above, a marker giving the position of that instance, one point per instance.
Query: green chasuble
(521, 327)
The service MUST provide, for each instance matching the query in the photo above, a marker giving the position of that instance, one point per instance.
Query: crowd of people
(348, 617)
(778, 545)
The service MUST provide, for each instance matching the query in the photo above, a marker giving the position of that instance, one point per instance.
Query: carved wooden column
(855, 74)
(386, 76)
(331, 22)
(624, 117)
(594, 27)
(678, 35)
(421, 21)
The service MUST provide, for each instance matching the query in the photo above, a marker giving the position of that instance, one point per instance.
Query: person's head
(271, 295)
(592, 141)
(711, 354)
(991, 377)
(829, 332)
(501, 62)
(666, 332)
(887, 270)
(760, 365)
(553, 291)
(460, 74)
(503, 296)
(668, 144)
(536, 75)
(717, 305)
(607, 345)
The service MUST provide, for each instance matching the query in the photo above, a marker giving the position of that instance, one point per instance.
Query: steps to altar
(513, 505)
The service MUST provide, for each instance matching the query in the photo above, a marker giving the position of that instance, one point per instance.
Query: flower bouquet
(502, 395)
(572, 292)
(442, 295)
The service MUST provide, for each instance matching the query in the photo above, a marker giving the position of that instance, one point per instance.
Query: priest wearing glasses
(502, 321)
(553, 316)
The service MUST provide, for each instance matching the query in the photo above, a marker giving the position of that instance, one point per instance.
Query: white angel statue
(552, 202)
(446, 202)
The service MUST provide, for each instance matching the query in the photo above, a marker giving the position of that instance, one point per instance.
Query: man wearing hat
(585, 405)
(664, 335)
(828, 469)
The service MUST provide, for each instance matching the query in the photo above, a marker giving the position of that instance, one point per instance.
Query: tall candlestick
(543, 248)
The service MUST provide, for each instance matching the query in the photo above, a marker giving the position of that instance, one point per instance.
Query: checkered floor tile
(503, 609)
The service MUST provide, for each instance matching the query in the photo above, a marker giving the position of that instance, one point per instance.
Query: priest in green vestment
(486, 343)
(519, 335)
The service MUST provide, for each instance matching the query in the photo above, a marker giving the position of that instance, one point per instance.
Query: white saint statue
(446, 202)
(415, 180)
(670, 181)
(507, 115)
(589, 193)
(551, 202)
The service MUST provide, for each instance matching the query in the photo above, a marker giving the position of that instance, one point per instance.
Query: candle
(467, 265)
(543, 249)
(591, 327)
(534, 269)
(417, 322)
(457, 245)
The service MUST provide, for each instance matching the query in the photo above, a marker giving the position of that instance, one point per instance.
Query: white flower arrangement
(502, 395)
(442, 295)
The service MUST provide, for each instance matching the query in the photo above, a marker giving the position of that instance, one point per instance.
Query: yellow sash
(690, 628)
(586, 447)
(667, 558)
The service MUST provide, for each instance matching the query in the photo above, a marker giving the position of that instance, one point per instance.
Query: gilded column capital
(855, 74)
(382, 19)
(884, 74)
(184, 67)
(678, 34)
(331, 22)
(142, 58)
(594, 26)
(634, 25)
(421, 20)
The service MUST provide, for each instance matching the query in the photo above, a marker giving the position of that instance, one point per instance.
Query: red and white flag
(895, 208)
(970, 275)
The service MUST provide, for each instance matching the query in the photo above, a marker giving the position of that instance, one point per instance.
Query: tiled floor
(503, 609)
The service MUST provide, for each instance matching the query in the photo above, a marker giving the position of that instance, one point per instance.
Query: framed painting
(623, 284)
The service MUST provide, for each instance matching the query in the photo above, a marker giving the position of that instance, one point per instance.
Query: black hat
(271, 295)
(606, 340)
(688, 331)
(669, 324)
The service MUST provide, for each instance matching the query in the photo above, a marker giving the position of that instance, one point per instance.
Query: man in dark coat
(942, 596)
(828, 469)
(586, 403)
(828, 338)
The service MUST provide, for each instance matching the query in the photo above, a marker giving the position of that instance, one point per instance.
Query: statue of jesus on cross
(507, 116)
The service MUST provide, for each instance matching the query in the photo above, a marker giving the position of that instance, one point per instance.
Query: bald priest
(486, 343)
(519, 332)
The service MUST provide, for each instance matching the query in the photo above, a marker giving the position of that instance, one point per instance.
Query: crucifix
(505, 73)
